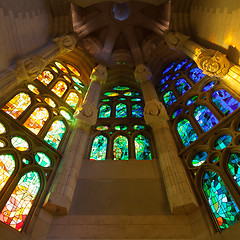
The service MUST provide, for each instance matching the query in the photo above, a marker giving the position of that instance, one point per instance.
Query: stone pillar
(61, 193)
(31, 66)
(180, 195)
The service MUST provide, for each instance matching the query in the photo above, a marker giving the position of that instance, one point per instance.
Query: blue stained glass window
(99, 148)
(179, 66)
(169, 98)
(208, 86)
(137, 110)
(104, 111)
(205, 117)
(192, 100)
(221, 203)
(186, 132)
(188, 66)
(176, 113)
(222, 142)
(225, 102)
(182, 86)
(199, 159)
(234, 166)
(163, 80)
(142, 148)
(121, 110)
(169, 68)
(164, 87)
(120, 148)
(175, 76)
(196, 74)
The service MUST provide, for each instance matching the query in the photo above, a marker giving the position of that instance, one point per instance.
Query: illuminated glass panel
(121, 88)
(176, 113)
(222, 142)
(215, 159)
(46, 77)
(142, 148)
(164, 87)
(120, 127)
(2, 143)
(121, 110)
(104, 111)
(136, 99)
(72, 99)
(221, 203)
(2, 128)
(175, 76)
(205, 117)
(73, 70)
(7, 166)
(139, 127)
(182, 86)
(20, 202)
(20, 144)
(106, 100)
(99, 148)
(169, 98)
(67, 79)
(65, 114)
(199, 159)
(120, 148)
(121, 99)
(55, 133)
(78, 82)
(33, 89)
(131, 94)
(42, 159)
(25, 161)
(37, 119)
(61, 67)
(111, 94)
(54, 69)
(59, 88)
(137, 110)
(179, 66)
(192, 100)
(225, 102)
(78, 89)
(102, 128)
(169, 68)
(163, 80)
(50, 102)
(234, 166)
(186, 132)
(188, 66)
(208, 86)
(196, 74)
(17, 105)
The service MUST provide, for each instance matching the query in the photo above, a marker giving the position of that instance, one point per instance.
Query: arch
(121, 110)
(137, 111)
(220, 201)
(59, 88)
(120, 148)
(104, 111)
(169, 98)
(72, 99)
(37, 119)
(17, 105)
(182, 86)
(142, 148)
(196, 74)
(99, 148)
(205, 117)
(234, 166)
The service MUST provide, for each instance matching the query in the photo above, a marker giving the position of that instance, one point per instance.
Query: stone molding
(99, 74)
(142, 73)
(175, 40)
(66, 43)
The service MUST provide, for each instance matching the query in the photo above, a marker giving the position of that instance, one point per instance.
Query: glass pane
(188, 66)
(54, 69)
(55, 133)
(175, 76)
(142, 148)
(176, 113)
(121, 88)
(139, 127)
(121, 110)
(186, 132)
(169, 68)
(65, 114)
(102, 128)
(46, 77)
(20, 202)
(111, 94)
(120, 127)
(61, 67)
(120, 148)
(78, 89)
(169, 98)
(234, 166)
(222, 142)
(164, 87)
(78, 82)
(20, 144)
(59, 88)
(192, 100)
(219, 199)
(2, 128)
(104, 111)
(67, 79)
(50, 102)
(137, 110)
(205, 117)
(72, 99)
(196, 74)
(73, 69)
(2, 143)
(17, 105)
(136, 99)
(208, 86)
(163, 80)
(42, 159)
(179, 66)
(199, 159)
(182, 86)
(37, 119)
(131, 94)
(99, 148)
(33, 89)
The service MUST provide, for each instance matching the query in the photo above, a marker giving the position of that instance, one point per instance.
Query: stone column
(31, 66)
(180, 195)
(61, 193)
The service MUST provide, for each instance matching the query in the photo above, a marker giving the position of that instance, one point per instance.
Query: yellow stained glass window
(73, 69)
(46, 77)
(72, 99)
(67, 79)
(59, 88)
(50, 102)
(33, 89)
(2, 128)
(61, 67)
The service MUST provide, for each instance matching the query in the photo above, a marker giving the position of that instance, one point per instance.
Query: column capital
(213, 63)
(99, 74)
(175, 39)
(142, 73)
(66, 43)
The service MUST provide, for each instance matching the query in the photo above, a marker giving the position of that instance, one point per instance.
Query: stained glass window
(65, 114)
(142, 148)
(163, 80)
(176, 113)
(37, 119)
(137, 110)
(188, 66)
(17, 105)
(121, 110)
(54, 69)
(102, 128)
(234, 166)
(61, 67)
(199, 158)
(104, 111)
(121, 88)
(139, 127)
(59, 88)
(78, 82)
(136, 99)
(73, 70)
(131, 94)
(20, 144)
(20, 202)
(225, 102)
(120, 148)
(182, 86)
(186, 132)
(169, 68)
(7, 166)
(50, 102)
(45, 77)
(222, 142)
(208, 86)
(99, 148)
(33, 89)
(215, 159)
(2, 128)
(67, 79)
(111, 94)
(196, 74)
(192, 100)
(175, 76)
(164, 87)
(42, 159)
(179, 66)
(169, 98)
(72, 99)
(221, 203)
(205, 117)
(2, 143)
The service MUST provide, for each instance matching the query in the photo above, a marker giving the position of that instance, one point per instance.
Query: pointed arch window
(205, 117)
(137, 110)
(182, 86)
(45, 77)
(121, 110)
(99, 148)
(196, 74)
(221, 203)
(60, 88)
(104, 111)
(169, 98)
(72, 99)
(37, 119)
(142, 148)
(120, 148)
(234, 166)
(17, 105)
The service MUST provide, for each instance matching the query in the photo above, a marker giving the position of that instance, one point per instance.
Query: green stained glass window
(65, 114)
(104, 111)
(121, 110)
(20, 144)
(137, 110)
(199, 159)
(176, 113)
(42, 159)
(121, 127)
(222, 142)
(192, 100)
(221, 203)
(25, 161)
(99, 148)
(136, 99)
(142, 148)
(2, 128)
(78, 82)
(139, 127)
(131, 94)
(215, 159)
(78, 89)
(234, 166)
(120, 148)
(111, 94)
(106, 100)
(169, 98)
(182, 86)
(121, 88)
(55, 133)
(121, 99)
(102, 128)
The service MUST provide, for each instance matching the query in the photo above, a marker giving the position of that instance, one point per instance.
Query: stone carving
(66, 43)
(99, 74)
(213, 63)
(175, 39)
(142, 73)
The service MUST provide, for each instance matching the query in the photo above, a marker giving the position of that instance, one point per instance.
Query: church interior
(119, 120)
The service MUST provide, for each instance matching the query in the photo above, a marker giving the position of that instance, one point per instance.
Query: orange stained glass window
(46, 77)
(61, 67)
(72, 99)
(37, 119)
(20, 202)
(67, 79)
(59, 88)
(73, 69)
(17, 105)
